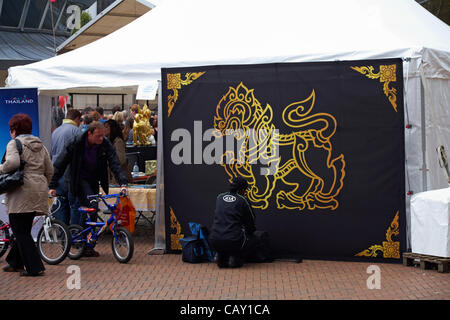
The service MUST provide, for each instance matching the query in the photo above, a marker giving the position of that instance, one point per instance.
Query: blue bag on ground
(202, 232)
(193, 250)
(196, 248)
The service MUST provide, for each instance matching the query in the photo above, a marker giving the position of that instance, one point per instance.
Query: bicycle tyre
(4, 234)
(124, 237)
(78, 242)
(60, 239)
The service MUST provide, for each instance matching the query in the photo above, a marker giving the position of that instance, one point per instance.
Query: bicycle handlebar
(106, 196)
(56, 196)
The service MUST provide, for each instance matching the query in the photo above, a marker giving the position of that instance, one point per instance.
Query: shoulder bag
(10, 181)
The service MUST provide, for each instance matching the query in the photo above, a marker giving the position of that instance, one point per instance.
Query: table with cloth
(143, 198)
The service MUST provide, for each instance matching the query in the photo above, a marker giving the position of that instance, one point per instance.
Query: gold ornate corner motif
(175, 238)
(390, 248)
(387, 74)
(174, 83)
(241, 115)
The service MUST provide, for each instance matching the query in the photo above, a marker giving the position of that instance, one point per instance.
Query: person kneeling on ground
(233, 233)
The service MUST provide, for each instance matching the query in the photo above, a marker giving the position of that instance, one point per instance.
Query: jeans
(87, 188)
(63, 213)
(68, 211)
(74, 203)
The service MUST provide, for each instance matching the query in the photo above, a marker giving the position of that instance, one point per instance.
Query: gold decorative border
(174, 83)
(175, 238)
(390, 249)
(387, 74)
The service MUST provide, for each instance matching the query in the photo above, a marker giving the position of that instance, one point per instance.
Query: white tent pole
(160, 221)
(424, 137)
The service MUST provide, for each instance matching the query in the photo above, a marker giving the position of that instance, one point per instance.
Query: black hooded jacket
(72, 156)
(233, 220)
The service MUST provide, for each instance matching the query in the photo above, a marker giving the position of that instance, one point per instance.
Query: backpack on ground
(196, 248)
(193, 250)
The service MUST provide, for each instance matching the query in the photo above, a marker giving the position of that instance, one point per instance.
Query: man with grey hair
(60, 137)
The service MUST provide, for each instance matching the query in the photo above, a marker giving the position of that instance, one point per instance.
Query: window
(11, 12)
(35, 12)
(39, 14)
(57, 7)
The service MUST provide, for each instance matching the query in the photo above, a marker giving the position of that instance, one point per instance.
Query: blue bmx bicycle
(86, 237)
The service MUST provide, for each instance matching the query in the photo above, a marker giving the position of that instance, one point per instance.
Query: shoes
(25, 273)
(9, 268)
(256, 257)
(235, 262)
(222, 260)
(91, 253)
(227, 261)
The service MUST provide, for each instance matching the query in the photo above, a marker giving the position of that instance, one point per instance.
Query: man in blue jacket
(233, 233)
(60, 137)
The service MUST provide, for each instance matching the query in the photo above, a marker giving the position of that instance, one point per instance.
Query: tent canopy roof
(182, 33)
(114, 17)
(18, 48)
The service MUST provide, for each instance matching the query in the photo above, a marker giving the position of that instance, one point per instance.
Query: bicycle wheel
(55, 248)
(4, 234)
(78, 242)
(123, 246)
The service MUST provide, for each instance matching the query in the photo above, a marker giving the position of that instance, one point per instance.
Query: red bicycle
(5, 237)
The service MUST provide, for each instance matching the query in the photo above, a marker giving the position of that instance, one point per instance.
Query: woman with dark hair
(128, 130)
(114, 133)
(30, 199)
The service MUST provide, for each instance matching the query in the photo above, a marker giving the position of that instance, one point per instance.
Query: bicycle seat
(86, 209)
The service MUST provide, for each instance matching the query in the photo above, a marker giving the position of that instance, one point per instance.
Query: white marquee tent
(181, 33)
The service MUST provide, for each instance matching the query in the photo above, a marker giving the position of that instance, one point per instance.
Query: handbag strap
(19, 148)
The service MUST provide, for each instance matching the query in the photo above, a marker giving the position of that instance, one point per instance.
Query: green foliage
(85, 18)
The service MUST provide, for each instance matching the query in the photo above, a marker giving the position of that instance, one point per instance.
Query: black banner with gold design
(321, 145)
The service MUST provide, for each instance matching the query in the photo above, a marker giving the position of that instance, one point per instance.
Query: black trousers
(256, 248)
(23, 253)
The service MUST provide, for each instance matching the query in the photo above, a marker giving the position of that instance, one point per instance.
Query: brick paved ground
(157, 277)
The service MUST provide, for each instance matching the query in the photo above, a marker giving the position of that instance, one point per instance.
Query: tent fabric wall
(413, 141)
(45, 122)
(427, 95)
(437, 97)
(204, 32)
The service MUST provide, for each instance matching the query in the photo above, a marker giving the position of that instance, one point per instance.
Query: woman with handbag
(23, 203)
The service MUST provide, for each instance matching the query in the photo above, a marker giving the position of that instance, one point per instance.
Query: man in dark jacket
(233, 230)
(87, 157)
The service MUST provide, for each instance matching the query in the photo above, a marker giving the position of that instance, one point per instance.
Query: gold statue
(142, 130)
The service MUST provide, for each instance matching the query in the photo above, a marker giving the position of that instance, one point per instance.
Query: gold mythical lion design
(302, 184)
(142, 130)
